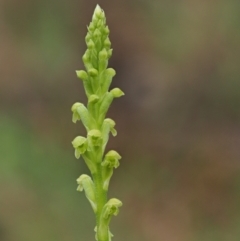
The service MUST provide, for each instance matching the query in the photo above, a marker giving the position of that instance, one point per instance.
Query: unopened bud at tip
(98, 11)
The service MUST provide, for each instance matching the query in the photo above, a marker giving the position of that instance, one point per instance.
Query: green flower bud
(103, 17)
(103, 59)
(80, 146)
(106, 30)
(94, 80)
(107, 43)
(90, 44)
(94, 58)
(88, 37)
(86, 56)
(103, 55)
(91, 27)
(110, 53)
(97, 33)
(95, 137)
(86, 60)
(93, 99)
(92, 106)
(106, 79)
(105, 104)
(93, 72)
(99, 23)
(81, 74)
(94, 16)
(75, 116)
(110, 72)
(97, 12)
(85, 183)
(117, 92)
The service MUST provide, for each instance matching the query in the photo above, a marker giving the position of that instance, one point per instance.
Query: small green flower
(75, 116)
(80, 146)
(80, 112)
(111, 159)
(85, 183)
(111, 124)
(111, 208)
(95, 137)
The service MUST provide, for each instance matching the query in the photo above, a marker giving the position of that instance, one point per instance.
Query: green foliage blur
(178, 125)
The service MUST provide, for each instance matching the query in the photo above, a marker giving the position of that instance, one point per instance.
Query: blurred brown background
(178, 63)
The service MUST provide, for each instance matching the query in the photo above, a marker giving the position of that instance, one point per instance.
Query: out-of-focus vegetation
(179, 131)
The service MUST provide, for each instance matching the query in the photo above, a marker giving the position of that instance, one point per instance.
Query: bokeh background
(178, 63)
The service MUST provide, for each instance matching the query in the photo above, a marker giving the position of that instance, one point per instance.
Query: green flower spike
(97, 78)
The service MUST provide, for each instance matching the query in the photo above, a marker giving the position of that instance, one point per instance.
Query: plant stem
(101, 196)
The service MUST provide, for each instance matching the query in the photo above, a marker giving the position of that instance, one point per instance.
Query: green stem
(101, 198)
(100, 193)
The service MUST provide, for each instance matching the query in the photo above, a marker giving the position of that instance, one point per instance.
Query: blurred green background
(178, 63)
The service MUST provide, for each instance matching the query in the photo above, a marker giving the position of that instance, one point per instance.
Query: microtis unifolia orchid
(96, 81)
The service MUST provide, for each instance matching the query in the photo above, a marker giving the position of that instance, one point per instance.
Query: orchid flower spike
(97, 78)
